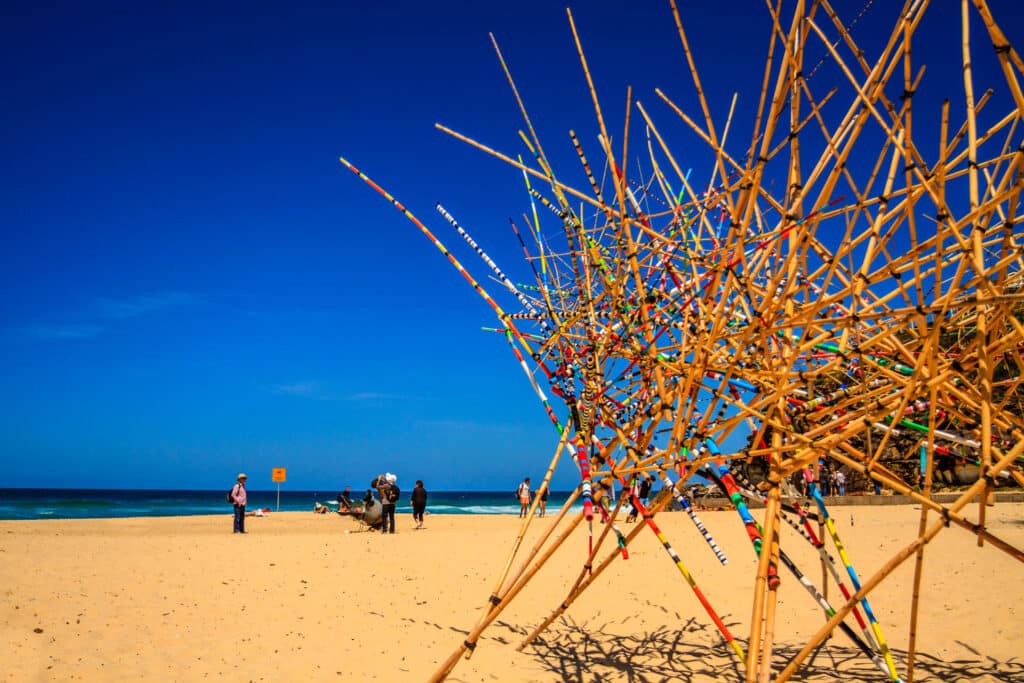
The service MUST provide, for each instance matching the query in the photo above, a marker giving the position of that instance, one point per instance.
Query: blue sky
(192, 285)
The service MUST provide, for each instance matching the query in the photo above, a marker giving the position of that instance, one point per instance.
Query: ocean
(99, 503)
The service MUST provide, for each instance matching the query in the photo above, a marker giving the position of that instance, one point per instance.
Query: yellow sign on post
(278, 474)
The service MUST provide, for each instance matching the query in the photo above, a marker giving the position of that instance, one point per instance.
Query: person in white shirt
(523, 492)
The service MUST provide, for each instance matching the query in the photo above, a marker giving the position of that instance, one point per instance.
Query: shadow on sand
(694, 652)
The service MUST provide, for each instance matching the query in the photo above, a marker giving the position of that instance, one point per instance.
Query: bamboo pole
(832, 312)
(583, 583)
(471, 639)
(891, 566)
(525, 525)
(772, 515)
(922, 527)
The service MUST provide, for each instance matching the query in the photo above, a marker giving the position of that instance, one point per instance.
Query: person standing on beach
(808, 479)
(523, 492)
(419, 503)
(239, 498)
(634, 492)
(644, 493)
(388, 492)
(642, 490)
(542, 506)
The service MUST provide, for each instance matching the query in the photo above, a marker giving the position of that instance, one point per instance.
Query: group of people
(388, 492)
(834, 484)
(830, 482)
(525, 495)
(386, 488)
(641, 488)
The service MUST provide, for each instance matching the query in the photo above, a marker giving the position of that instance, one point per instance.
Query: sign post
(278, 474)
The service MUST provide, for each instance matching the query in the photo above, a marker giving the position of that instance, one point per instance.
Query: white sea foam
(473, 509)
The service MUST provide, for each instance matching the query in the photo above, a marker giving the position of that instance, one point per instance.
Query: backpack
(393, 493)
(231, 497)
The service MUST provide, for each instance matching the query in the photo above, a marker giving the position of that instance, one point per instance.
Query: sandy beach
(306, 597)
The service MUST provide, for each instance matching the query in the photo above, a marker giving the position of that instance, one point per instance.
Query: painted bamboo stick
(854, 580)
(471, 639)
(892, 564)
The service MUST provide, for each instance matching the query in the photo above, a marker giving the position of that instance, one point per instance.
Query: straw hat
(242, 475)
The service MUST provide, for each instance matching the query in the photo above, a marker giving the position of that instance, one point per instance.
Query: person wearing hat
(387, 489)
(239, 498)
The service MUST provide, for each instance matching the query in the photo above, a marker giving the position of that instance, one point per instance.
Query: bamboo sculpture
(875, 301)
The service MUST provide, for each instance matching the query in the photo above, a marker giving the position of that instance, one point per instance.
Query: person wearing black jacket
(645, 488)
(419, 503)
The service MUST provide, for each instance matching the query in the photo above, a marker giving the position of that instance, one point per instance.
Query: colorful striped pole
(876, 628)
